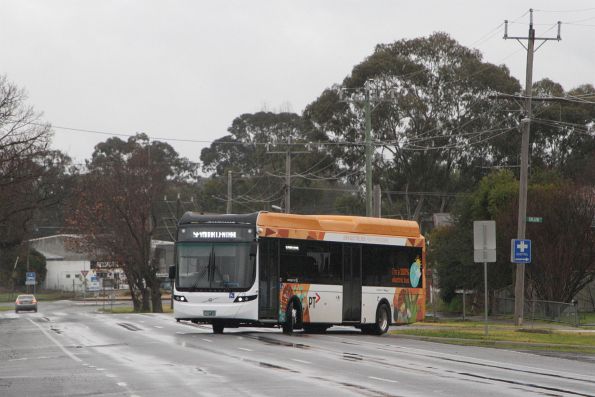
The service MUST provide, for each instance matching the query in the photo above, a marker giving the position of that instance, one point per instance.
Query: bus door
(352, 283)
(268, 279)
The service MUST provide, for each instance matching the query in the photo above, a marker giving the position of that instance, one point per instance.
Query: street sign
(520, 251)
(484, 241)
(534, 219)
(84, 273)
(30, 278)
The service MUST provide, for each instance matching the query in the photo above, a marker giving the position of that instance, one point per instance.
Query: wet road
(69, 349)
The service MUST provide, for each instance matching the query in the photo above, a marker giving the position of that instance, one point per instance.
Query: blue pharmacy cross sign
(30, 278)
(520, 251)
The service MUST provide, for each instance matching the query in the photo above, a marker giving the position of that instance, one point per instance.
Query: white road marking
(301, 361)
(157, 326)
(19, 359)
(110, 375)
(244, 349)
(180, 333)
(50, 337)
(100, 369)
(122, 384)
(384, 380)
(207, 340)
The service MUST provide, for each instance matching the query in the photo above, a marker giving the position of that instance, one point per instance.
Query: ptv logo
(313, 300)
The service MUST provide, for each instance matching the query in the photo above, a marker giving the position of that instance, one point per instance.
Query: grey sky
(186, 69)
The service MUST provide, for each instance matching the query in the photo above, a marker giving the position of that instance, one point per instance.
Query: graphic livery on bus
(299, 271)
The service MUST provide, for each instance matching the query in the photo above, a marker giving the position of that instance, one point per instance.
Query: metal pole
(377, 201)
(229, 192)
(485, 281)
(519, 289)
(368, 155)
(464, 293)
(28, 249)
(288, 177)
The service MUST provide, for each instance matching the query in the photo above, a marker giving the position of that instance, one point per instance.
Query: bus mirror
(253, 248)
(172, 272)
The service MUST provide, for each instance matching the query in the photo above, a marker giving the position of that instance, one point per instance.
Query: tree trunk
(146, 300)
(134, 296)
(156, 298)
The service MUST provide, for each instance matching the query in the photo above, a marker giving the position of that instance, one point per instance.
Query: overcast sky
(186, 69)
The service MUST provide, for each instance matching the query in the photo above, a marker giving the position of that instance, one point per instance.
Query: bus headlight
(247, 298)
(180, 298)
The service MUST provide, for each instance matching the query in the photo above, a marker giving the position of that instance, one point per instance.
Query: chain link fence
(567, 313)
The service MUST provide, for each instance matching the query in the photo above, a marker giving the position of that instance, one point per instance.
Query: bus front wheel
(218, 328)
(292, 316)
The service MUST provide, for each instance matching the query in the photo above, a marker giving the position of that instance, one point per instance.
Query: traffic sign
(534, 219)
(84, 273)
(30, 278)
(484, 241)
(520, 251)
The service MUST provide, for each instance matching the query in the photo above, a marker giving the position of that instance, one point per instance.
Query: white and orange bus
(305, 272)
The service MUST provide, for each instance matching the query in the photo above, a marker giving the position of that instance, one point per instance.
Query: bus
(306, 272)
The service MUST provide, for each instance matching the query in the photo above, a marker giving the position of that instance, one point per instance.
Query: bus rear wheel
(382, 320)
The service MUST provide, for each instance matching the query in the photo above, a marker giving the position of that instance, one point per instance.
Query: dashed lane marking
(300, 361)
(383, 380)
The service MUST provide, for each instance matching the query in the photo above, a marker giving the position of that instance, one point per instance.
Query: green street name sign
(534, 219)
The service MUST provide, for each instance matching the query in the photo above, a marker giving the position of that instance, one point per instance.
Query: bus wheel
(291, 318)
(218, 328)
(382, 320)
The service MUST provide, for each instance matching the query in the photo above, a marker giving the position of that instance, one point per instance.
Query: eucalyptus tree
(433, 126)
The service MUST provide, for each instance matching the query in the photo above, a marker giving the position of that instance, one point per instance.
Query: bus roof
(340, 223)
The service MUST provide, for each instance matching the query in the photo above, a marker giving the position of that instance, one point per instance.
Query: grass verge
(6, 308)
(505, 336)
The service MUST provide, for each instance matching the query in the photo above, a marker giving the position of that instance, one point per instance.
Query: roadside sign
(484, 241)
(30, 278)
(534, 219)
(84, 273)
(520, 251)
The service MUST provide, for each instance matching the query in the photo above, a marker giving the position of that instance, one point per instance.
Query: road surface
(70, 349)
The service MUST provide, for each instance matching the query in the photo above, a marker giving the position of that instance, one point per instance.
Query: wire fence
(560, 312)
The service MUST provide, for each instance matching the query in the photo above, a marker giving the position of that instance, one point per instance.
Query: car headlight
(180, 298)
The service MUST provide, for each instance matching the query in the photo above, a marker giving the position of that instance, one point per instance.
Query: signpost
(84, 274)
(30, 280)
(534, 219)
(484, 244)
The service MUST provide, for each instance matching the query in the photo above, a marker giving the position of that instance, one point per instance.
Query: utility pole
(519, 288)
(288, 177)
(228, 192)
(377, 201)
(369, 154)
(364, 96)
(288, 154)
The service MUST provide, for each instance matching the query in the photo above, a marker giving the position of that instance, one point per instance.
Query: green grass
(503, 335)
(6, 308)
(587, 318)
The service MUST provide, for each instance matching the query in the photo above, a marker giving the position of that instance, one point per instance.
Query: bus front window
(219, 266)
